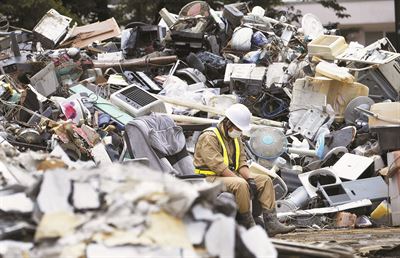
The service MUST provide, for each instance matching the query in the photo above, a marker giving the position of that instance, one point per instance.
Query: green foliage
(27, 13)
(339, 10)
(88, 11)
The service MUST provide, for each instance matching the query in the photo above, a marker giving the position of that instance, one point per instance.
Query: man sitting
(219, 154)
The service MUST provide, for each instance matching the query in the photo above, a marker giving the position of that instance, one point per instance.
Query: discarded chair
(157, 138)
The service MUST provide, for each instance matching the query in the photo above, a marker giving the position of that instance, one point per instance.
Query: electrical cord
(277, 111)
(25, 109)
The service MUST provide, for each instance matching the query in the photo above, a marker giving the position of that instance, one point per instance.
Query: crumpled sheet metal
(317, 92)
(56, 224)
(17, 202)
(141, 213)
(54, 192)
(220, 238)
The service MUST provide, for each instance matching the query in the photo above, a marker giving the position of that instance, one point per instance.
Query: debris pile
(115, 211)
(77, 100)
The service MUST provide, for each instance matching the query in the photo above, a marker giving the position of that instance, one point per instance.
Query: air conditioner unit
(391, 71)
(136, 101)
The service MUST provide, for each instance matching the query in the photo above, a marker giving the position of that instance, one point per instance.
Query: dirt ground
(367, 242)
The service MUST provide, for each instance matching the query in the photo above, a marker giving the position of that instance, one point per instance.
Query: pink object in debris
(69, 110)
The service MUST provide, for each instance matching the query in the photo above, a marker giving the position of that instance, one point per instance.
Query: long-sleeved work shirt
(208, 152)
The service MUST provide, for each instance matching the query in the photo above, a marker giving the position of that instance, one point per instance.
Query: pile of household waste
(98, 125)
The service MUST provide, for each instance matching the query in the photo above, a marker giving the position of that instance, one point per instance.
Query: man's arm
(245, 172)
(243, 168)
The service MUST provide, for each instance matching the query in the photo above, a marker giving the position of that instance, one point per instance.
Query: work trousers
(239, 187)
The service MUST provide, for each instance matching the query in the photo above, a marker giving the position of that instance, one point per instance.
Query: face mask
(234, 133)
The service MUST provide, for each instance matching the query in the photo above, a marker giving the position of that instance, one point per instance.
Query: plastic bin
(327, 46)
(310, 92)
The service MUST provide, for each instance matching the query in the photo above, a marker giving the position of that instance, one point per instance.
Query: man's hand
(252, 187)
(228, 173)
(244, 172)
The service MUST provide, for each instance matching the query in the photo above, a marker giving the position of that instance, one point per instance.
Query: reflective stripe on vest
(224, 152)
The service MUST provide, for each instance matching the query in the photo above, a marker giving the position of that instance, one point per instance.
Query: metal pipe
(192, 119)
(137, 62)
(189, 104)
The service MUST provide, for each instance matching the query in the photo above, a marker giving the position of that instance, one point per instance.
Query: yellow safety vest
(225, 153)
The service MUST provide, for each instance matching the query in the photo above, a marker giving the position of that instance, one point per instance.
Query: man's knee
(239, 184)
(263, 180)
(268, 180)
(268, 184)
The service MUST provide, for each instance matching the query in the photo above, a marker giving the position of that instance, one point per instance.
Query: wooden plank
(325, 210)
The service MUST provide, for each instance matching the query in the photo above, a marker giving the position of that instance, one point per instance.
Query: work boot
(272, 224)
(246, 220)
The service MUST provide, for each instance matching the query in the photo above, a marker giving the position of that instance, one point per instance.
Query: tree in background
(27, 13)
(88, 11)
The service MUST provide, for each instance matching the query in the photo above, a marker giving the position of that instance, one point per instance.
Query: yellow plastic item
(388, 111)
(313, 91)
(327, 46)
(335, 72)
(380, 211)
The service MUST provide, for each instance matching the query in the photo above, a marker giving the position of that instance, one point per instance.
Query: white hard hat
(240, 116)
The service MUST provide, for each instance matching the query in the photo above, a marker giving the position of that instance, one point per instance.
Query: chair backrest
(161, 141)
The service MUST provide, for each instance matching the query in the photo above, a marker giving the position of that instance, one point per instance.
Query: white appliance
(136, 101)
